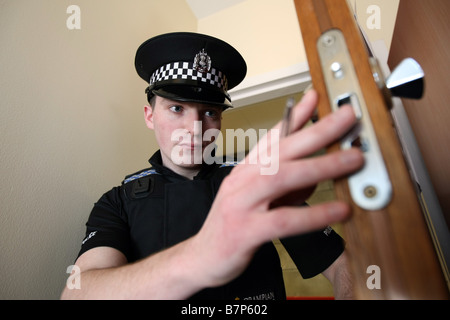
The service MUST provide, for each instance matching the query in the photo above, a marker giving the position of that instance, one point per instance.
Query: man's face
(179, 129)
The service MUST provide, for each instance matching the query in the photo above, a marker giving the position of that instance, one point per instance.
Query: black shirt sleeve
(107, 225)
(314, 252)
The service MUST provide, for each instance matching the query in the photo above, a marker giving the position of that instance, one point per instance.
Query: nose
(194, 123)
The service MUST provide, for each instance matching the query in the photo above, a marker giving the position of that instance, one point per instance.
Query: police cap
(190, 67)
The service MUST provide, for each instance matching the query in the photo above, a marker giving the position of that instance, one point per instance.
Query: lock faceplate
(370, 188)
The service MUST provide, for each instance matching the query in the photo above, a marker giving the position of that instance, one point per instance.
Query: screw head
(370, 191)
(328, 40)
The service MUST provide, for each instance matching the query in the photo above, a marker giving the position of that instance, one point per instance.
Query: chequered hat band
(186, 71)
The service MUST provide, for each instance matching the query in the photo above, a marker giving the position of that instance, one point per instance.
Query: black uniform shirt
(157, 208)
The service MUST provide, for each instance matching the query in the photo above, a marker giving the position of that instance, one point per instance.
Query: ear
(148, 115)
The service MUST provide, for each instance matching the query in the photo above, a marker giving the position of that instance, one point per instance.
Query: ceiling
(204, 8)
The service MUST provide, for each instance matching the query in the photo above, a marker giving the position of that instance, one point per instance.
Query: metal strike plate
(370, 188)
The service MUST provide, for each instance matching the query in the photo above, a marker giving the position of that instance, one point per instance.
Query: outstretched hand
(251, 208)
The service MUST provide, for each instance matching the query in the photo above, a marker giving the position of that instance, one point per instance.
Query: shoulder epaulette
(139, 175)
(229, 164)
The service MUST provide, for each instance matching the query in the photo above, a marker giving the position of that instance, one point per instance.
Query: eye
(176, 108)
(212, 113)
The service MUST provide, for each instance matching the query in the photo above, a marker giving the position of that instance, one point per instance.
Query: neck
(188, 172)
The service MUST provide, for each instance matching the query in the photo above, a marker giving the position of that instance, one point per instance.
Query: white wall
(71, 126)
(266, 32)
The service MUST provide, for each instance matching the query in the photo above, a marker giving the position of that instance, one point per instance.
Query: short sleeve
(107, 225)
(314, 252)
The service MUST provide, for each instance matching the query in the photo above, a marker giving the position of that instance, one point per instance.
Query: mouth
(192, 146)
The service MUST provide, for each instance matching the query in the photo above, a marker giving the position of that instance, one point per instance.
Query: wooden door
(388, 238)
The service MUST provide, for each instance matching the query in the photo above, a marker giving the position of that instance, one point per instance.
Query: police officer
(169, 231)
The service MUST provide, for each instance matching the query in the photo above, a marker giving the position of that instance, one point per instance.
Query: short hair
(151, 98)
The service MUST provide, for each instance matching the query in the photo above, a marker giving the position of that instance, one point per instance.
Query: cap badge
(202, 62)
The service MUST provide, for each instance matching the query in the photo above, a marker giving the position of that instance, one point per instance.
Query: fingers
(289, 221)
(301, 174)
(304, 110)
(301, 143)
(301, 114)
(319, 135)
(295, 173)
